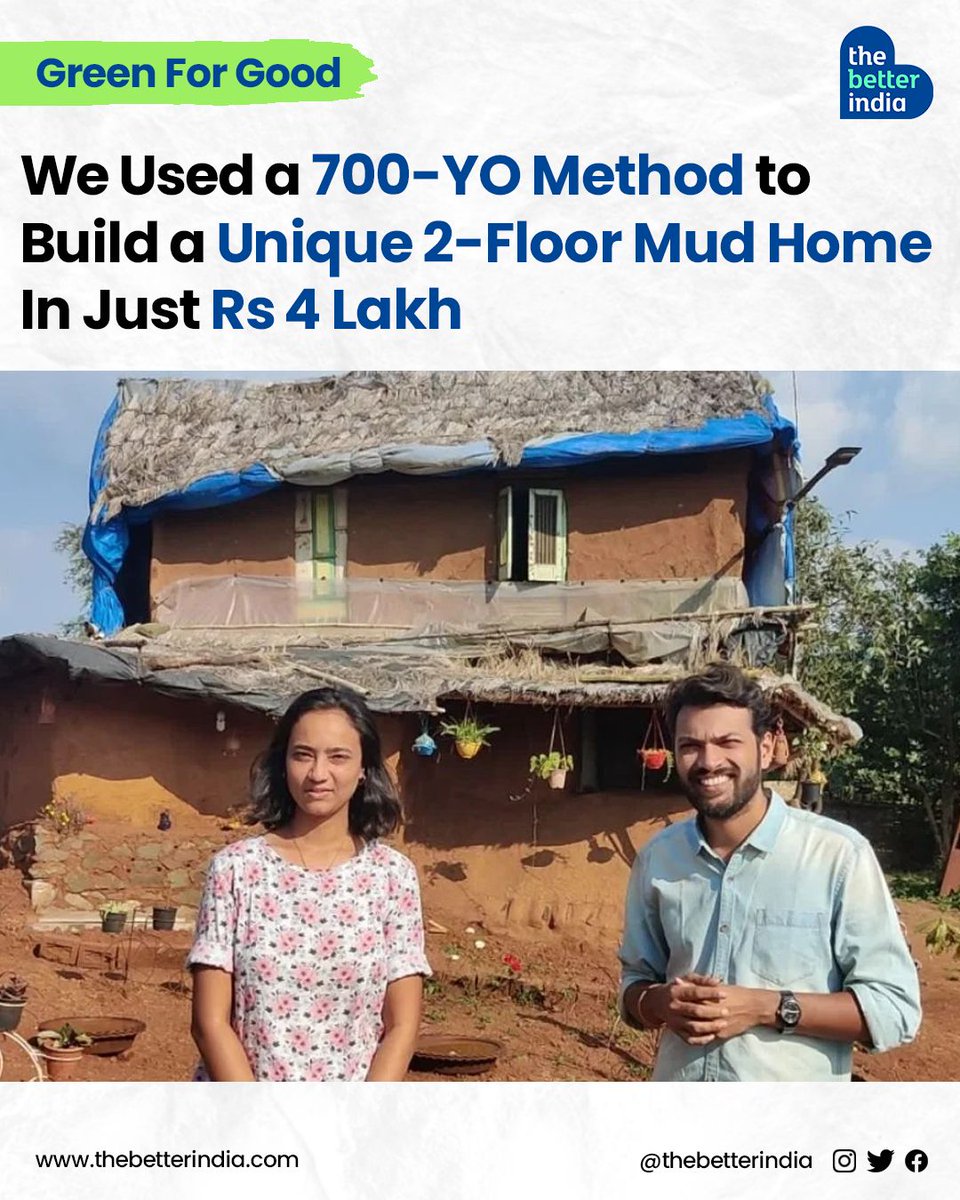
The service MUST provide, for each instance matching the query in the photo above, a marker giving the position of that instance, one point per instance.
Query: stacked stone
(82, 871)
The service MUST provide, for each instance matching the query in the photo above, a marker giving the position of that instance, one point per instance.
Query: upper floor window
(531, 535)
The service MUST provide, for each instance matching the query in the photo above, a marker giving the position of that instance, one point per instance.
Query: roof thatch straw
(394, 677)
(169, 433)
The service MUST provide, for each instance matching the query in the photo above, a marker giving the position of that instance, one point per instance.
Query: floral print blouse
(311, 953)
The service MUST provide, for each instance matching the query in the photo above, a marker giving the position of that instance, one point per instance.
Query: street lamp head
(842, 456)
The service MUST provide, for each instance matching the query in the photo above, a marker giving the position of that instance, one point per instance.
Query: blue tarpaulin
(767, 574)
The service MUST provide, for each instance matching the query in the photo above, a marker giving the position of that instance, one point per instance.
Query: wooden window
(547, 539)
(531, 535)
(320, 544)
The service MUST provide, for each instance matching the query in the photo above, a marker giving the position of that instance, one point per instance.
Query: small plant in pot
(164, 916)
(13, 997)
(62, 1049)
(657, 759)
(468, 735)
(552, 767)
(811, 750)
(652, 752)
(113, 917)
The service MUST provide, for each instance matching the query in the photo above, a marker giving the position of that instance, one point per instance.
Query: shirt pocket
(789, 946)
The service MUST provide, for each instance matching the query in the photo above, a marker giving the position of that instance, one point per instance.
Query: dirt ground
(555, 1018)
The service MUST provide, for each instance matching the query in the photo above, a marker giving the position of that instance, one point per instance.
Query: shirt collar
(763, 838)
(765, 835)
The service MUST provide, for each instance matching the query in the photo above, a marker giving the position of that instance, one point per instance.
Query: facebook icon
(916, 1160)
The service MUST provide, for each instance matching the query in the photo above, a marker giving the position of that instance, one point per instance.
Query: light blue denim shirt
(800, 905)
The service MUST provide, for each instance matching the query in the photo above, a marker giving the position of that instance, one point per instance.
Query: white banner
(731, 110)
(586, 1141)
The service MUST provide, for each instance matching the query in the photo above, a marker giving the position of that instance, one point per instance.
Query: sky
(903, 491)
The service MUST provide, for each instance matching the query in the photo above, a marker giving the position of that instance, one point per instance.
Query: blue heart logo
(873, 85)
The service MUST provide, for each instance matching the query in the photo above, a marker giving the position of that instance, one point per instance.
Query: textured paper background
(680, 81)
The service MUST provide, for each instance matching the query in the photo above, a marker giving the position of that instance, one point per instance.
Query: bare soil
(555, 1018)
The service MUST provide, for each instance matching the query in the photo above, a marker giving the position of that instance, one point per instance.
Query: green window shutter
(547, 536)
(504, 532)
(324, 536)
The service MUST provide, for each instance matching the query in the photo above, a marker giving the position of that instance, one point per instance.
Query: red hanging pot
(655, 759)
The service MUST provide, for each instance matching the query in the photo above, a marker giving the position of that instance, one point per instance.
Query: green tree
(78, 573)
(885, 649)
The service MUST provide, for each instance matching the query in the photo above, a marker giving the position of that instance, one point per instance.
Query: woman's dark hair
(374, 806)
(721, 683)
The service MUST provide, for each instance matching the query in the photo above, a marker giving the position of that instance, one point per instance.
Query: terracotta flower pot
(61, 1063)
(10, 1013)
(655, 760)
(468, 749)
(557, 780)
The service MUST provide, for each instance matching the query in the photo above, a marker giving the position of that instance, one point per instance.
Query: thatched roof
(394, 677)
(169, 433)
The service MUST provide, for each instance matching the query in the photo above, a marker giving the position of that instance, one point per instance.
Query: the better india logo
(873, 85)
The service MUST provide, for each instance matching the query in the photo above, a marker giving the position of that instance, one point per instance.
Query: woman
(309, 953)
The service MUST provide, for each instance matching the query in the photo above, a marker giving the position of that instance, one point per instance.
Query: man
(761, 939)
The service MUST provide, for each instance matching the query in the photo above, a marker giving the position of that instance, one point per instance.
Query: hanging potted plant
(62, 1049)
(555, 764)
(113, 917)
(424, 745)
(652, 752)
(811, 750)
(164, 916)
(468, 735)
(552, 767)
(13, 997)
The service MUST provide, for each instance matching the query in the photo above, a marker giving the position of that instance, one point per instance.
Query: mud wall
(686, 522)
(490, 843)
(121, 753)
(252, 537)
(27, 748)
(421, 528)
(671, 526)
(495, 846)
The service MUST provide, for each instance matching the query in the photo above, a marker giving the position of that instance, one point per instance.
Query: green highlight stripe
(220, 73)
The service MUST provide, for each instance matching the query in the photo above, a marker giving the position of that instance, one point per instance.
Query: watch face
(789, 1011)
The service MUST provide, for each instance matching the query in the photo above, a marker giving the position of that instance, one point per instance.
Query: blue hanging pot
(425, 746)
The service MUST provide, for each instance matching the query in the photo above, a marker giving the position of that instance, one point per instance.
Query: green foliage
(543, 765)
(78, 573)
(921, 885)
(64, 1038)
(811, 750)
(886, 651)
(467, 729)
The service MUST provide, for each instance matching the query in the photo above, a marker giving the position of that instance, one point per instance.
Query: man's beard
(723, 808)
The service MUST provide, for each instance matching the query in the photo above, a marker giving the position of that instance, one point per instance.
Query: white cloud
(832, 412)
(925, 426)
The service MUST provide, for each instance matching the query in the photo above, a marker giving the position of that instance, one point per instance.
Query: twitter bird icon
(880, 1162)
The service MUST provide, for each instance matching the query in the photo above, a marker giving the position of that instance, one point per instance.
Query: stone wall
(138, 868)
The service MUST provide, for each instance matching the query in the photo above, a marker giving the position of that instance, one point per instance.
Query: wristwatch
(788, 1013)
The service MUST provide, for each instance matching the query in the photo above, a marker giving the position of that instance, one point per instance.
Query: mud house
(543, 552)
